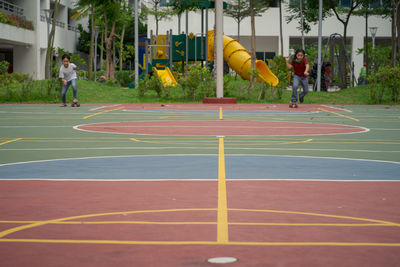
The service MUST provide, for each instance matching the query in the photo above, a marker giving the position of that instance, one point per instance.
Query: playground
(152, 184)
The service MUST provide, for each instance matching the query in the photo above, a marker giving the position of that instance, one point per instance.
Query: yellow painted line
(212, 223)
(318, 214)
(142, 141)
(41, 223)
(341, 115)
(114, 222)
(120, 242)
(105, 111)
(296, 142)
(9, 141)
(318, 224)
(220, 114)
(222, 225)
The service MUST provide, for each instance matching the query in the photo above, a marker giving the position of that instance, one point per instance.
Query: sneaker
(301, 99)
(293, 105)
(63, 105)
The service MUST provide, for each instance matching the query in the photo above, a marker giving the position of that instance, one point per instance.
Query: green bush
(4, 18)
(385, 83)
(198, 83)
(150, 83)
(123, 78)
(4, 66)
(16, 21)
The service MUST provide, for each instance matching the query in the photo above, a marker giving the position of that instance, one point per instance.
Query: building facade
(268, 31)
(26, 49)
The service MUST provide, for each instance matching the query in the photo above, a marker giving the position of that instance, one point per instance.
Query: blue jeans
(297, 80)
(65, 89)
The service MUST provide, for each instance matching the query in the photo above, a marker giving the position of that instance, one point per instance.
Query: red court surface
(238, 107)
(174, 223)
(221, 128)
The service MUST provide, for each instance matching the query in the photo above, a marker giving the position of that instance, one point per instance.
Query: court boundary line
(76, 127)
(185, 155)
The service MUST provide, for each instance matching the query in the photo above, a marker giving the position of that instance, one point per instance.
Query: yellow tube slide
(239, 59)
(166, 76)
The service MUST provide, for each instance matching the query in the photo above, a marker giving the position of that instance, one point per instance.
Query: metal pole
(151, 48)
(170, 49)
(202, 38)
(319, 46)
(146, 59)
(206, 44)
(302, 24)
(187, 44)
(136, 44)
(219, 48)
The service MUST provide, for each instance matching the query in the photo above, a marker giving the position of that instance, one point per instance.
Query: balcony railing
(73, 28)
(11, 9)
(58, 23)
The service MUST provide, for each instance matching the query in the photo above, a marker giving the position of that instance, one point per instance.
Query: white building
(26, 49)
(267, 31)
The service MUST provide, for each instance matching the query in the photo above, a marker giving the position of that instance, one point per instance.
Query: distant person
(300, 66)
(328, 71)
(68, 77)
(363, 74)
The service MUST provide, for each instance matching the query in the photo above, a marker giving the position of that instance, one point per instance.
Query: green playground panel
(194, 48)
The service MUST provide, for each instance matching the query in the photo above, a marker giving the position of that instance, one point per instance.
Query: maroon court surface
(173, 223)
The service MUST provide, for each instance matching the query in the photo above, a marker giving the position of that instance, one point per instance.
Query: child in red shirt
(300, 66)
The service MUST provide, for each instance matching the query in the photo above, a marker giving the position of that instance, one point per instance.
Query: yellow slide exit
(239, 59)
(166, 76)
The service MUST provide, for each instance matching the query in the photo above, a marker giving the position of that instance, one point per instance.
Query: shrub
(4, 18)
(17, 21)
(8, 79)
(385, 78)
(198, 83)
(123, 78)
(4, 66)
(150, 83)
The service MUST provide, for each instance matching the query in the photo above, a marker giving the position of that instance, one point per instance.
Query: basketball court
(151, 184)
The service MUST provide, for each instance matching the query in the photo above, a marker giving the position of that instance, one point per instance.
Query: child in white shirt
(68, 77)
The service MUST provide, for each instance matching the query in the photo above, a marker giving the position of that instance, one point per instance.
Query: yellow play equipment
(166, 76)
(239, 59)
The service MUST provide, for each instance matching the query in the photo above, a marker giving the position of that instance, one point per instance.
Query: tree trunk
(398, 29)
(110, 70)
(90, 65)
(253, 46)
(366, 55)
(344, 58)
(121, 47)
(102, 50)
(50, 41)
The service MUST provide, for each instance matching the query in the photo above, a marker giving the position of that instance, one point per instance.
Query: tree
(238, 10)
(125, 18)
(50, 40)
(308, 15)
(257, 7)
(111, 10)
(83, 7)
(395, 30)
(343, 15)
(155, 11)
(181, 6)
